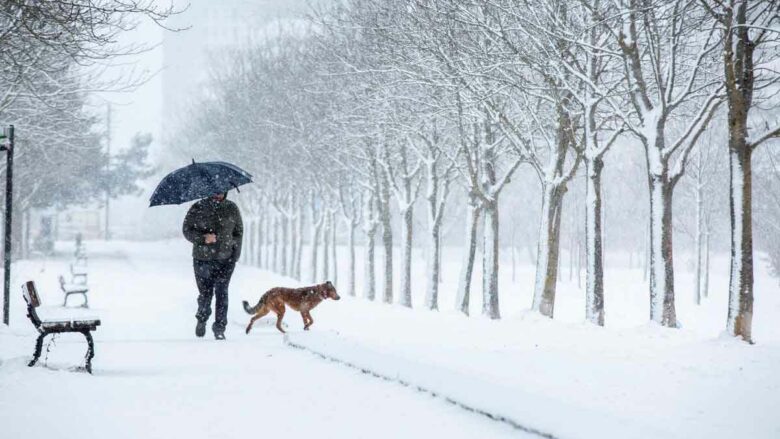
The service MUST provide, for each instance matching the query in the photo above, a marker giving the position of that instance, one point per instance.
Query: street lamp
(8, 147)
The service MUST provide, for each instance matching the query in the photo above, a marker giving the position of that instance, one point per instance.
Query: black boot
(200, 328)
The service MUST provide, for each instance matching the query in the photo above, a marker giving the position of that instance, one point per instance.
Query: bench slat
(31, 294)
(70, 325)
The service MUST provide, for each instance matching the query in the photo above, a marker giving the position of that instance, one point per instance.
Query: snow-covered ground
(154, 379)
(562, 378)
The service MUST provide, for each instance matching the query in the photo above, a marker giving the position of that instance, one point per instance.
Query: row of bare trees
(382, 107)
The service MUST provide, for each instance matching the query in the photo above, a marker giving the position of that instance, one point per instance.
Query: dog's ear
(328, 284)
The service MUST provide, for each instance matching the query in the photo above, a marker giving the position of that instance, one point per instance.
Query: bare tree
(749, 58)
(41, 39)
(583, 55)
(402, 179)
(705, 170)
(350, 202)
(667, 48)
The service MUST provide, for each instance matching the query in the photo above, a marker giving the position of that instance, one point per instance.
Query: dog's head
(329, 291)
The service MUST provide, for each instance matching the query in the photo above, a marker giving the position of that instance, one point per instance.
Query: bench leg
(65, 303)
(86, 301)
(38, 348)
(90, 350)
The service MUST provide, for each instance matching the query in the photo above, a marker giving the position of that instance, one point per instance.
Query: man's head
(219, 197)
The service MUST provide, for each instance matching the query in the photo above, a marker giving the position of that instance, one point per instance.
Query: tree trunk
(334, 276)
(467, 264)
(275, 258)
(299, 244)
(580, 257)
(351, 272)
(433, 268)
(27, 234)
(706, 287)
(547, 255)
(603, 224)
(532, 250)
(572, 244)
(433, 253)
(259, 238)
(267, 246)
(250, 252)
(261, 261)
(315, 238)
(441, 271)
(405, 296)
(291, 256)
(284, 225)
(662, 308)
(17, 233)
(266, 242)
(646, 253)
(294, 219)
(698, 239)
(594, 285)
(559, 270)
(490, 262)
(387, 243)
(740, 315)
(257, 249)
(514, 263)
(369, 290)
(326, 249)
(740, 79)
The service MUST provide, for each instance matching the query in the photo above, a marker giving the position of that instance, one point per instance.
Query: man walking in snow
(213, 225)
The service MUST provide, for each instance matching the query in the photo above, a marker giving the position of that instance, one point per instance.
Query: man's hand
(210, 238)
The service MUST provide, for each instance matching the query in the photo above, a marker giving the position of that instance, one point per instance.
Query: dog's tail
(253, 309)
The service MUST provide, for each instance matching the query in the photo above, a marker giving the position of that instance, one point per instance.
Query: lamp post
(8, 147)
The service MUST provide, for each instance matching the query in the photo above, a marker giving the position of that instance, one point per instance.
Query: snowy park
(368, 369)
(390, 219)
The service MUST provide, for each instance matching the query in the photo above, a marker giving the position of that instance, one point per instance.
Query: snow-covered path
(154, 379)
(242, 388)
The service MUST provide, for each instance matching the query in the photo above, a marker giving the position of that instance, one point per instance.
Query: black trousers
(213, 278)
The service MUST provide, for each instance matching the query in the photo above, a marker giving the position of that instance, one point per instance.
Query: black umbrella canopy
(198, 180)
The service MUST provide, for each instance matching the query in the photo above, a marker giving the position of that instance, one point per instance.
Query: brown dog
(300, 299)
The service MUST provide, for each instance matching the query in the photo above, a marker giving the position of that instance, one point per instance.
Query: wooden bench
(70, 289)
(46, 327)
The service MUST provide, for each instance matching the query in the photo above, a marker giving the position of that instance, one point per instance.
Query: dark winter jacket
(221, 218)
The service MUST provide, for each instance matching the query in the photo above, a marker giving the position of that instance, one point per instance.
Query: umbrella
(198, 180)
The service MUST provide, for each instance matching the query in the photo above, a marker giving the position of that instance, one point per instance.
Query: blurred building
(84, 221)
(40, 228)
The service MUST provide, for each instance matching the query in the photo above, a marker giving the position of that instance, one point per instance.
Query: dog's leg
(307, 320)
(279, 317)
(262, 312)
